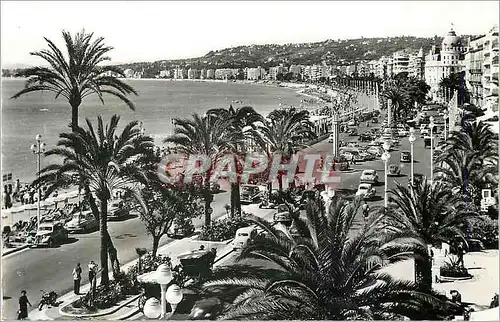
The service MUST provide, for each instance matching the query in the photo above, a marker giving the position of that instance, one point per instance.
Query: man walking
(460, 254)
(23, 306)
(77, 277)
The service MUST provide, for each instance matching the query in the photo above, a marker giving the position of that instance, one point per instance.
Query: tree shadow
(6, 297)
(122, 218)
(70, 240)
(376, 198)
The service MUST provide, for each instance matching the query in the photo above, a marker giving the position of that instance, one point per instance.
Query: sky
(150, 31)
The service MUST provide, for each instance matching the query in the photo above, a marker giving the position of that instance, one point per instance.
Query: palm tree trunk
(423, 272)
(113, 255)
(74, 117)
(280, 181)
(103, 228)
(237, 204)
(156, 243)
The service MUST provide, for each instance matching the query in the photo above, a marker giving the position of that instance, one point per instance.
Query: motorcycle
(48, 298)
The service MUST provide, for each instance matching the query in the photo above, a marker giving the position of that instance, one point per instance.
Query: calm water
(157, 103)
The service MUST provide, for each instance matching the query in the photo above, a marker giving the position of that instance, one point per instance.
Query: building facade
(442, 62)
(417, 65)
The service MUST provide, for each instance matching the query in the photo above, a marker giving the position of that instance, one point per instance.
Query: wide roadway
(50, 268)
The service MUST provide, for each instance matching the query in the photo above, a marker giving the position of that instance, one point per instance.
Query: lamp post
(173, 295)
(431, 126)
(411, 139)
(38, 149)
(385, 157)
(445, 117)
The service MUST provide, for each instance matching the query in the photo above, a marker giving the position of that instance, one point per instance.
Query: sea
(157, 103)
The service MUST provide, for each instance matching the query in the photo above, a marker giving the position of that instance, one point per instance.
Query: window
(486, 193)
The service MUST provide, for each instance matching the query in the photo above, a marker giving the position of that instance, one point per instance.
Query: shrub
(484, 229)
(221, 230)
(105, 297)
(453, 269)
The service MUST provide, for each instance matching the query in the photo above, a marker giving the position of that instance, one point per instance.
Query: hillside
(333, 52)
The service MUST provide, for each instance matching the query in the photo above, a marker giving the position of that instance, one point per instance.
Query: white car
(351, 123)
(403, 133)
(366, 191)
(375, 150)
(424, 132)
(370, 176)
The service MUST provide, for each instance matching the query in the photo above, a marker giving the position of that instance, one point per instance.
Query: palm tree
(333, 275)
(284, 132)
(238, 119)
(476, 138)
(400, 101)
(78, 75)
(206, 135)
(430, 212)
(101, 162)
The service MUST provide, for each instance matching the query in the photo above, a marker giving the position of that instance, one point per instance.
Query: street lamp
(385, 157)
(411, 139)
(38, 149)
(431, 126)
(173, 295)
(445, 117)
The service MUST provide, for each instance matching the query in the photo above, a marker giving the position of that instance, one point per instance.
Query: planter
(453, 279)
(69, 310)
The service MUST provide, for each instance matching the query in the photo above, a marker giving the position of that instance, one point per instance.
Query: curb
(105, 312)
(15, 250)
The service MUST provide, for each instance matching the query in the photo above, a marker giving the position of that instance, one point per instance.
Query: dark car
(417, 178)
(352, 132)
(365, 137)
(249, 193)
(51, 234)
(405, 156)
(374, 120)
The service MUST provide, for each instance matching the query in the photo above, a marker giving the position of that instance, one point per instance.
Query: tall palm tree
(430, 212)
(476, 138)
(78, 75)
(101, 162)
(206, 135)
(334, 275)
(284, 132)
(400, 101)
(238, 119)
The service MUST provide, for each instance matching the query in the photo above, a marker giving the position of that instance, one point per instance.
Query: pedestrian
(22, 314)
(460, 253)
(92, 275)
(17, 189)
(77, 277)
(456, 297)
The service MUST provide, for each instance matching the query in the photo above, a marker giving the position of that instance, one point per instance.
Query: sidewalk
(17, 248)
(172, 249)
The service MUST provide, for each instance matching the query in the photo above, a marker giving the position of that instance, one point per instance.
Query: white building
(164, 73)
(256, 73)
(490, 70)
(400, 63)
(192, 73)
(441, 63)
(417, 65)
(129, 73)
(180, 73)
(210, 74)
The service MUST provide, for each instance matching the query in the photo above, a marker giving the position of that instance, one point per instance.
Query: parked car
(366, 156)
(330, 138)
(427, 142)
(365, 137)
(117, 210)
(250, 193)
(352, 123)
(375, 150)
(352, 132)
(405, 156)
(417, 178)
(374, 120)
(403, 133)
(424, 133)
(366, 191)
(370, 176)
(50, 234)
(82, 221)
(243, 236)
(393, 170)
(181, 229)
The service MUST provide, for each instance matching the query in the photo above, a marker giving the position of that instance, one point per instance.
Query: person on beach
(77, 277)
(22, 314)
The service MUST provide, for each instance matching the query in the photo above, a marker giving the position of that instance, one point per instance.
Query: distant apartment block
(210, 73)
(225, 73)
(400, 63)
(417, 65)
(129, 73)
(274, 71)
(180, 73)
(192, 73)
(164, 73)
(481, 66)
(203, 73)
(255, 73)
